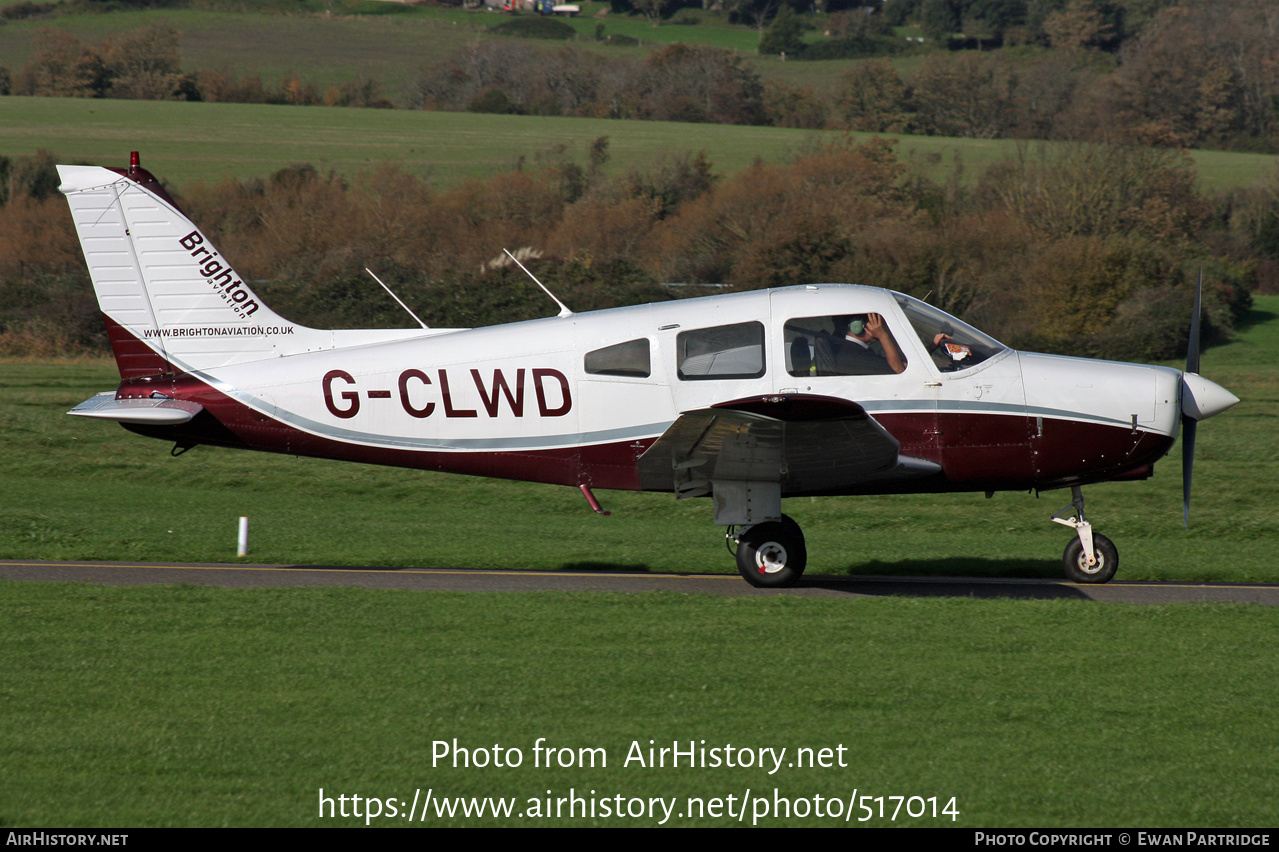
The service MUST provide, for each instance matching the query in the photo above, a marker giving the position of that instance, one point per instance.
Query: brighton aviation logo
(219, 275)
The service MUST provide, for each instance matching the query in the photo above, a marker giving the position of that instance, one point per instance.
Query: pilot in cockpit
(847, 351)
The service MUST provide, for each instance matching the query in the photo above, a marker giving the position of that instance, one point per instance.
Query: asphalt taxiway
(479, 580)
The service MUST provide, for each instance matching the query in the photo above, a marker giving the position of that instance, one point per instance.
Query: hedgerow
(1018, 255)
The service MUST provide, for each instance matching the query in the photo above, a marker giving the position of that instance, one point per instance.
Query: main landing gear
(1091, 557)
(769, 555)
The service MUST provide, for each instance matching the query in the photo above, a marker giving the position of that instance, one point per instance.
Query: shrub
(143, 64)
(33, 177)
(784, 35)
(23, 11)
(849, 48)
(1103, 190)
(535, 27)
(140, 64)
(62, 66)
(872, 97)
(693, 82)
(492, 100)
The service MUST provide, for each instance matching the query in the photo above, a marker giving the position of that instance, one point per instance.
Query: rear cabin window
(721, 352)
(621, 359)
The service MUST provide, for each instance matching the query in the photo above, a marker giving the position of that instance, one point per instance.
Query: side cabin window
(841, 345)
(721, 352)
(621, 359)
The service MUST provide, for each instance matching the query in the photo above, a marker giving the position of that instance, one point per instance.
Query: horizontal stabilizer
(157, 411)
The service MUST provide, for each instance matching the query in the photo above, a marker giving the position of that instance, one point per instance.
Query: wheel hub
(1095, 568)
(770, 558)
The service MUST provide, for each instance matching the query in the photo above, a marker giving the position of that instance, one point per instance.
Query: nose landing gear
(1090, 558)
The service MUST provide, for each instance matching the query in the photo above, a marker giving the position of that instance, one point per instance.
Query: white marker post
(243, 550)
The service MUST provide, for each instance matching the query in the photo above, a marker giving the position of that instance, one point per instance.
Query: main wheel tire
(1076, 563)
(772, 555)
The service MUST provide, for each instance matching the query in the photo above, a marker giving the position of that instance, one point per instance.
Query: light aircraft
(744, 398)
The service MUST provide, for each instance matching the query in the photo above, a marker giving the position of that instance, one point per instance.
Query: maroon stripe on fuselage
(230, 423)
(977, 452)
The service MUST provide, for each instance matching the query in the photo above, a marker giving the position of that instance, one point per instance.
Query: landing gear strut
(1090, 558)
(771, 554)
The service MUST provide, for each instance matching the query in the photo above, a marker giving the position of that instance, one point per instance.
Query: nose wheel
(1091, 557)
(1105, 560)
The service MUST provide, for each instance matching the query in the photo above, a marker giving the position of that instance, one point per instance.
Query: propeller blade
(1188, 423)
(1200, 399)
(1188, 426)
(1192, 348)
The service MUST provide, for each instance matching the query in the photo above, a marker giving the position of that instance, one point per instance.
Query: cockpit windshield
(953, 345)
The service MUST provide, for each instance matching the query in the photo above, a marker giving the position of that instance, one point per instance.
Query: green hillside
(183, 142)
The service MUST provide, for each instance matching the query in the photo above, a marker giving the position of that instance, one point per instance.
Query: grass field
(187, 706)
(184, 142)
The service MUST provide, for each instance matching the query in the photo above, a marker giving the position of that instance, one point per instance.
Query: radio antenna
(397, 299)
(564, 311)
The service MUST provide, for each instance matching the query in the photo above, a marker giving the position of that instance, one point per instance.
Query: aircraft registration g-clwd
(746, 398)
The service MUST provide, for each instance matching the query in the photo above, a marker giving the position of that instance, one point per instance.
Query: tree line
(1198, 74)
(1081, 249)
(1191, 73)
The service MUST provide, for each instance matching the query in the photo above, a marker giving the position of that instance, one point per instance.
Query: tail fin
(171, 301)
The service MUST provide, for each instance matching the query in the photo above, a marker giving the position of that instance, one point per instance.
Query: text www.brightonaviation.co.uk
(747, 807)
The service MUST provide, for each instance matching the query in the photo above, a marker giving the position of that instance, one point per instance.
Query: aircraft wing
(809, 444)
